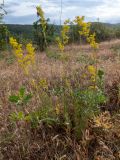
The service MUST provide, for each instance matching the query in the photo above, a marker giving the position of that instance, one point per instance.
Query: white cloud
(106, 10)
(110, 9)
(1, 1)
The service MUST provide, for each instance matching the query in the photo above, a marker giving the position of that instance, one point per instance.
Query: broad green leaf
(14, 98)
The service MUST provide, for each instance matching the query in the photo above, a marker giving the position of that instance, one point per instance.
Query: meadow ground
(20, 141)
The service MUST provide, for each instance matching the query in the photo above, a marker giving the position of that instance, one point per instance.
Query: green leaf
(20, 115)
(13, 116)
(28, 118)
(22, 92)
(14, 99)
(101, 98)
(100, 74)
(27, 98)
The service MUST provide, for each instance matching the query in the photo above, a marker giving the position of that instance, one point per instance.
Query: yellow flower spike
(43, 84)
(24, 60)
(43, 23)
(63, 40)
(85, 31)
(92, 70)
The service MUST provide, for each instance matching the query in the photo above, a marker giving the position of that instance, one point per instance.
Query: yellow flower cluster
(31, 53)
(63, 40)
(92, 71)
(40, 13)
(43, 84)
(85, 27)
(24, 60)
(85, 31)
(17, 48)
(91, 40)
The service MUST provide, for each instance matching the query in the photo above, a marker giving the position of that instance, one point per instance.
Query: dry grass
(21, 142)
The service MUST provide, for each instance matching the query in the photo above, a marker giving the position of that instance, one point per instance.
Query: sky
(24, 11)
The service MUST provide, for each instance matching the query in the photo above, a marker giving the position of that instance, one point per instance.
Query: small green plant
(44, 113)
(100, 79)
(21, 98)
(17, 116)
(86, 106)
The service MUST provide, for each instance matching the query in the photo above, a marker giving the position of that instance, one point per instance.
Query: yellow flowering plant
(92, 41)
(84, 27)
(65, 96)
(85, 31)
(42, 22)
(24, 60)
(43, 84)
(63, 39)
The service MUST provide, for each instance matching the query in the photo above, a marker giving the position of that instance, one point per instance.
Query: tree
(103, 31)
(3, 29)
(1, 14)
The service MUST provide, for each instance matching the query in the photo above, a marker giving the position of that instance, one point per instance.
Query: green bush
(3, 37)
(103, 31)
